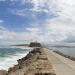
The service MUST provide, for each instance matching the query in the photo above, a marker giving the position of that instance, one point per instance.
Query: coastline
(15, 53)
(41, 61)
(34, 62)
(64, 55)
(7, 62)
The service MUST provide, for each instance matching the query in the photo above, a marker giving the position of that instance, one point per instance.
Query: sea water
(9, 56)
(66, 50)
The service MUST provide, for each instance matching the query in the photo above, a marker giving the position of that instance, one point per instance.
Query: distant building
(35, 44)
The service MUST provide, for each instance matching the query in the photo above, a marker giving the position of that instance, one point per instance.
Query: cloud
(33, 6)
(60, 28)
(32, 29)
(18, 12)
(10, 37)
(70, 38)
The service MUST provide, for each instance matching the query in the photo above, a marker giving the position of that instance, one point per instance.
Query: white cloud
(56, 30)
(60, 26)
(66, 8)
(18, 12)
(7, 37)
(38, 6)
(32, 29)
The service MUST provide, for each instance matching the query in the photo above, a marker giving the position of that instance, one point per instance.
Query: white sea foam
(10, 61)
(26, 48)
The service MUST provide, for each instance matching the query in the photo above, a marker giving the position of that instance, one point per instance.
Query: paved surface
(61, 65)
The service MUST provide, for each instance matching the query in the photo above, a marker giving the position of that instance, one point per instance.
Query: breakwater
(67, 56)
(35, 63)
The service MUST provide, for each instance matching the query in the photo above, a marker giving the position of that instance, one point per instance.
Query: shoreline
(34, 63)
(64, 55)
(42, 61)
(7, 62)
(24, 54)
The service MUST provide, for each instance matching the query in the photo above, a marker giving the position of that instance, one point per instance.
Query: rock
(35, 63)
(44, 74)
(3, 72)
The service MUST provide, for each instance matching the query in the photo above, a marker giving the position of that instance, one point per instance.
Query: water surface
(66, 50)
(9, 56)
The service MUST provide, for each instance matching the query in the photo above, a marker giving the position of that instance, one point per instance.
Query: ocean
(65, 50)
(9, 56)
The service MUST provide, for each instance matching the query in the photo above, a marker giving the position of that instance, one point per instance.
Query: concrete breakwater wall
(35, 63)
(67, 56)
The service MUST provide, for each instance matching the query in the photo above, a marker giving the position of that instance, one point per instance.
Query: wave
(26, 48)
(11, 60)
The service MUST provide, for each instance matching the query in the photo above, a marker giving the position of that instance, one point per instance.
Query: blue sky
(18, 16)
(46, 21)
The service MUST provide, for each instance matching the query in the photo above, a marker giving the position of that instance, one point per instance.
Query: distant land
(69, 46)
(63, 46)
(32, 44)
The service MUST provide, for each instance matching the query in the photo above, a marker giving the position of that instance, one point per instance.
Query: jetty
(35, 63)
(61, 65)
(42, 61)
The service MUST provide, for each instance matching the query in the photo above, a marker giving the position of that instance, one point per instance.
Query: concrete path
(61, 65)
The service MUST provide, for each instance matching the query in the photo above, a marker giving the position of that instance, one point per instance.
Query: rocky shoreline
(66, 56)
(35, 63)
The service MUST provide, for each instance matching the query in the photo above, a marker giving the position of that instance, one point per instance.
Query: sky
(45, 21)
